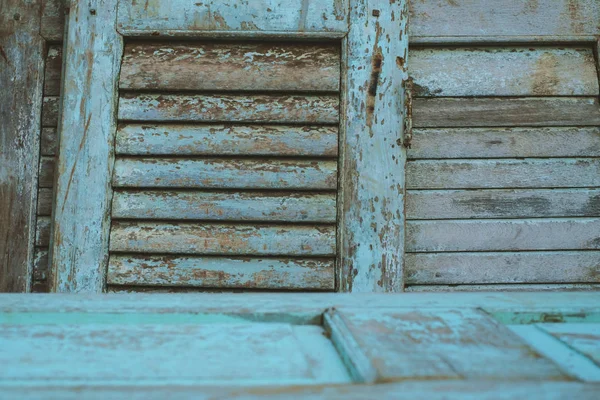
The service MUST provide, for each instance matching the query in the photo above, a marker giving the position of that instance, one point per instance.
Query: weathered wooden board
(50, 111)
(502, 267)
(218, 66)
(40, 266)
(505, 288)
(503, 235)
(503, 71)
(502, 203)
(230, 108)
(219, 18)
(44, 202)
(21, 82)
(219, 272)
(372, 178)
(182, 140)
(490, 112)
(224, 173)
(240, 206)
(585, 338)
(88, 123)
(42, 234)
(46, 172)
(504, 18)
(505, 142)
(209, 239)
(52, 26)
(48, 142)
(52, 71)
(489, 174)
(441, 342)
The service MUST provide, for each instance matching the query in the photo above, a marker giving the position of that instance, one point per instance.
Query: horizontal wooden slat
(50, 111)
(230, 108)
(503, 71)
(244, 206)
(499, 203)
(230, 174)
(46, 172)
(302, 18)
(501, 18)
(503, 267)
(259, 66)
(48, 142)
(44, 202)
(548, 287)
(209, 239)
(503, 235)
(247, 273)
(477, 112)
(173, 139)
(505, 142)
(53, 71)
(530, 173)
(42, 232)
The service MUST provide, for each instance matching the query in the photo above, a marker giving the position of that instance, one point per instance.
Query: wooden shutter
(231, 144)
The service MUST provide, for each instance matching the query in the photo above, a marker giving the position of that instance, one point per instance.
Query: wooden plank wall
(226, 166)
(503, 175)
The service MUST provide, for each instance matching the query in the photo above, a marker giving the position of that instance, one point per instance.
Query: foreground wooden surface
(317, 346)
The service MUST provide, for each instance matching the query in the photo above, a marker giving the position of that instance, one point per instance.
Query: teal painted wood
(584, 338)
(309, 109)
(220, 272)
(372, 177)
(216, 173)
(219, 239)
(301, 18)
(21, 80)
(222, 206)
(261, 140)
(88, 123)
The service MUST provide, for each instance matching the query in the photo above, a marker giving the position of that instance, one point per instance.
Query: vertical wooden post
(372, 178)
(21, 84)
(79, 252)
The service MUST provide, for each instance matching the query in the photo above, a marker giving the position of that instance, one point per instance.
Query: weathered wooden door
(232, 144)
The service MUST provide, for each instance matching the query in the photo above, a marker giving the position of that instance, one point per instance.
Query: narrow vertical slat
(372, 180)
(88, 125)
(21, 84)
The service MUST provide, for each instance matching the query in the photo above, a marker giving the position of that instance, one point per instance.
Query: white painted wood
(209, 139)
(372, 177)
(223, 18)
(505, 142)
(83, 192)
(543, 267)
(253, 108)
(215, 173)
(503, 235)
(241, 206)
(489, 174)
(503, 71)
(220, 239)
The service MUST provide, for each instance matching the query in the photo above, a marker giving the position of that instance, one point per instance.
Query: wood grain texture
(506, 18)
(503, 235)
(230, 108)
(40, 266)
(49, 142)
(219, 18)
(505, 288)
(241, 206)
(489, 174)
(79, 255)
(50, 111)
(224, 173)
(505, 142)
(502, 203)
(493, 112)
(584, 338)
(372, 179)
(21, 82)
(260, 66)
(44, 202)
(217, 239)
(52, 71)
(266, 140)
(503, 71)
(219, 272)
(42, 231)
(52, 26)
(46, 172)
(503, 267)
